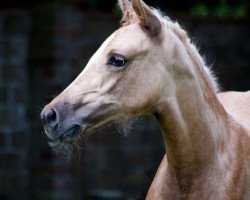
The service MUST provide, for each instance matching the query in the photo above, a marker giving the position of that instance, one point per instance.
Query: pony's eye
(117, 60)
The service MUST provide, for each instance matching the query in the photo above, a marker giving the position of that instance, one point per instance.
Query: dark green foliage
(222, 9)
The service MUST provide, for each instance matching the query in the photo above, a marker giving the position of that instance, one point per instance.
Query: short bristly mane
(183, 37)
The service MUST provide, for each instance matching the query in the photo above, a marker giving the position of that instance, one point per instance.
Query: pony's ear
(149, 22)
(127, 11)
(125, 6)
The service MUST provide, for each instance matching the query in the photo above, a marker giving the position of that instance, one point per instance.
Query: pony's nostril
(51, 119)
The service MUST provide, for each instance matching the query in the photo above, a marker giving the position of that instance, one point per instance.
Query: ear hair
(125, 5)
(149, 22)
(127, 10)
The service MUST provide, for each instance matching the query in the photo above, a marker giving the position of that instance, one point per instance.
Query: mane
(183, 37)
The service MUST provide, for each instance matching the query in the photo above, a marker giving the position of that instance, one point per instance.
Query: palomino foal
(150, 66)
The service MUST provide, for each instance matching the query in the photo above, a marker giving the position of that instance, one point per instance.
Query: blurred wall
(43, 48)
(14, 127)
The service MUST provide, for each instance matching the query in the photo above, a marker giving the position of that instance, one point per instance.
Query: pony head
(129, 75)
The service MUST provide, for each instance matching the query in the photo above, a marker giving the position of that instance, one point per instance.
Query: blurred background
(45, 44)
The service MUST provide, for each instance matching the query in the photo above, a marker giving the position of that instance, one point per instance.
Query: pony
(150, 66)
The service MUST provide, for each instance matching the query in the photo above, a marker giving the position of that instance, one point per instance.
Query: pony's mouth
(76, 132)
(69, 135)
(73, 133)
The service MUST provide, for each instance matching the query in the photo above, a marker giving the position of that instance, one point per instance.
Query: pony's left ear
(149, 22)
(127, 11)
(125, 6)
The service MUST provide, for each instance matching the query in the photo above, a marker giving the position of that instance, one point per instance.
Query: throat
(190, 129)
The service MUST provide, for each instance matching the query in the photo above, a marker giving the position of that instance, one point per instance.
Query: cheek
(141, 102)
(137, 95)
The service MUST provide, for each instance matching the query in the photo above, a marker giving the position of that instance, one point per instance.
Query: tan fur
(208, 150)
(238, 105)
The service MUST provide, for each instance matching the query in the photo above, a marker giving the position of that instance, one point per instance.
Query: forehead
(127, 39)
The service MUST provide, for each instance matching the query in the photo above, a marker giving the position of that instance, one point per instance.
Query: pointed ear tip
(125, 5)
(139, 5)
(120, 3)
(135, 2)
(124, 2)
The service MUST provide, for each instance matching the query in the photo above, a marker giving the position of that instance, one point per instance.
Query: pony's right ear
(149, 22)
(127, 11)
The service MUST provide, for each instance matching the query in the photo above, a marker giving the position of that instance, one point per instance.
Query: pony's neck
(192, 120)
